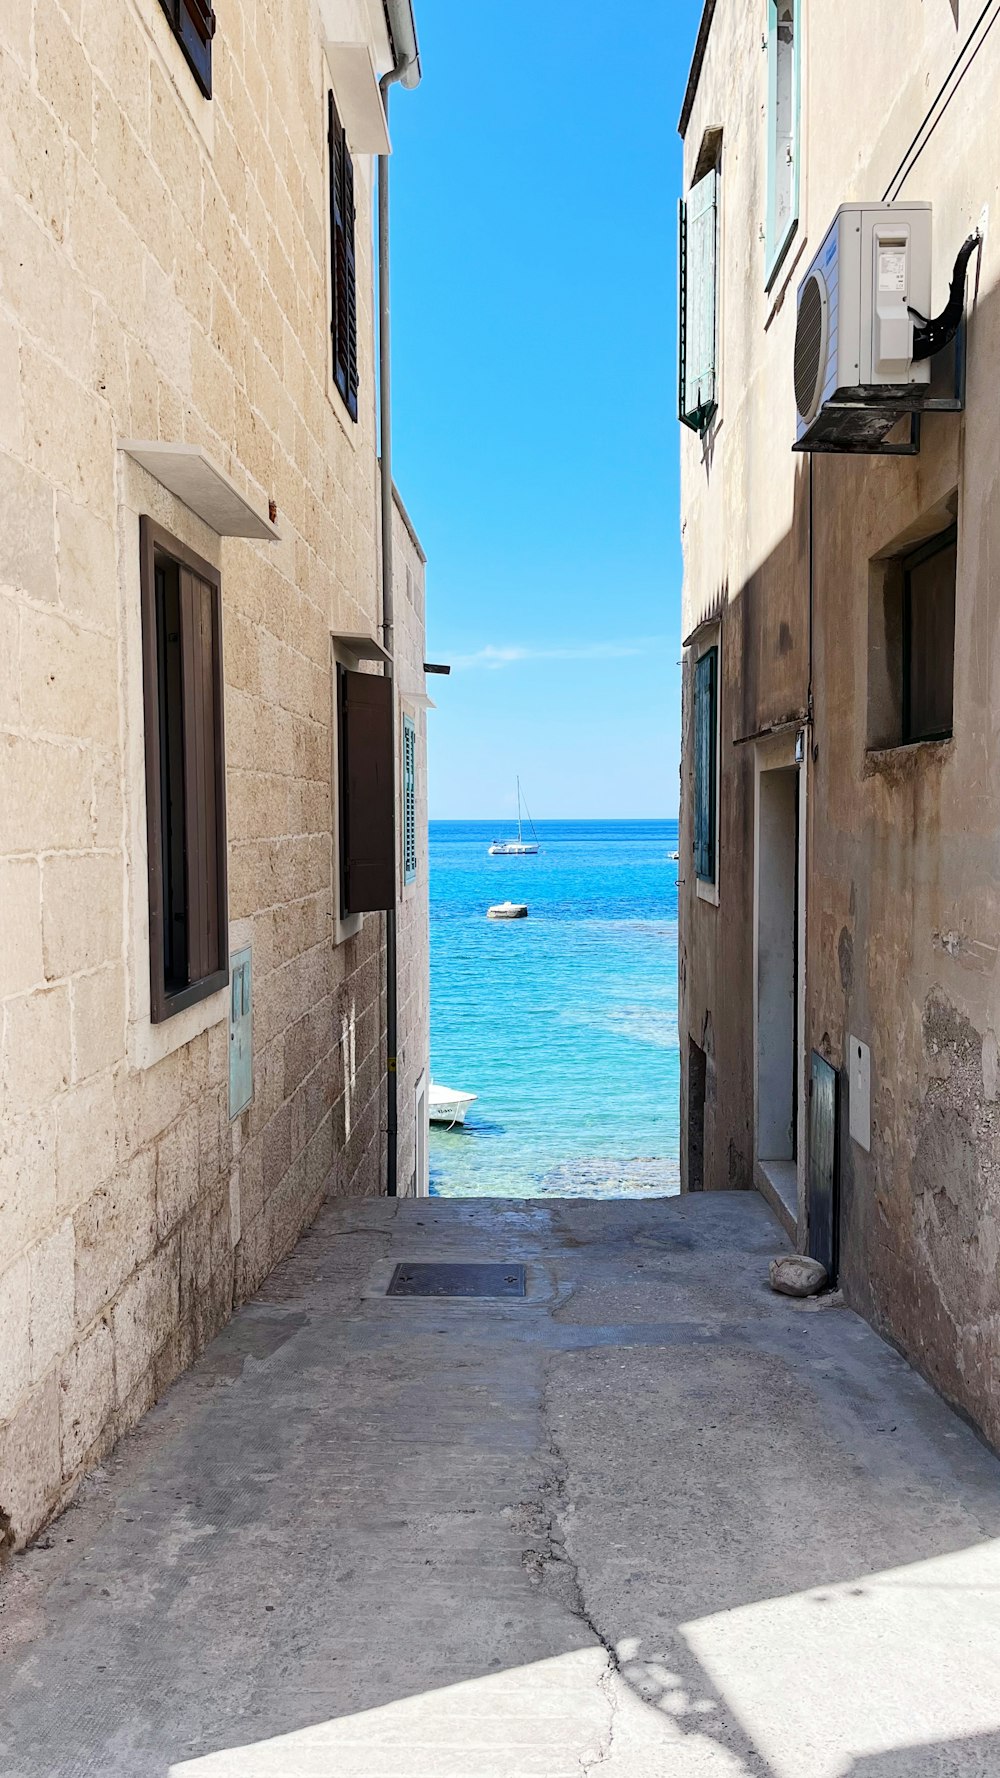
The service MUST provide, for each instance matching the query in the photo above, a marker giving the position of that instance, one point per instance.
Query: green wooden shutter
(698, 263)
(783, 108)
(706, 673)
(409, 800)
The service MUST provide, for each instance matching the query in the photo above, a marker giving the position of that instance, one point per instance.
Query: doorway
(777, 980)
(421, 1184)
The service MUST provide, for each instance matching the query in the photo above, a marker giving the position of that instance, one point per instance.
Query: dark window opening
(185, 774)
(928, 635)
(193, 24)
(171, 715)
(911, 644)
(706, 704)
(343, 269)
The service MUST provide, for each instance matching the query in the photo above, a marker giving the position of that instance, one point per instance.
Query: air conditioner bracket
(859, 421)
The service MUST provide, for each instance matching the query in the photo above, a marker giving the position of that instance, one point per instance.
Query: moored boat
(447, 1107)
(508, 910)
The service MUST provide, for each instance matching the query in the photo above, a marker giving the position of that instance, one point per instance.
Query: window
(912, 644)
(367, 792)
(783, 20)
(343, 274)
(409, 799)
(929, 639)
(185, 773)
(193, 24)
(706, 707)
(698, 302)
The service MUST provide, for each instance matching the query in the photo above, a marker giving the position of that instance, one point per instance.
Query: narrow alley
(648, 1520)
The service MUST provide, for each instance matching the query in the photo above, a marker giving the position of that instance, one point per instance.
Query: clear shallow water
(564, 1024)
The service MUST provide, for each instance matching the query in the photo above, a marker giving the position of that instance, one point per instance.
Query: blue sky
(535, 440)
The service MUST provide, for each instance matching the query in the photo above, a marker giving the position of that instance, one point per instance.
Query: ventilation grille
(810, 343)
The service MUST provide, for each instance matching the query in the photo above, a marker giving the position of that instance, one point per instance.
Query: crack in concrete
(553, 1507)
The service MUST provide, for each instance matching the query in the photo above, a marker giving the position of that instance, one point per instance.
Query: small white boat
(519, 848)
(508, 910)
(446, 1107)
(674, 857)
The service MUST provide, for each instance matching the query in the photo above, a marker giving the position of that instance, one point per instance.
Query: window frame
(409, 798)
(775, 247)
(344, 360)
(195, 44)
(156, 542)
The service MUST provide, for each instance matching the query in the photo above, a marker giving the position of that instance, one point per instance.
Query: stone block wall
(163, 275)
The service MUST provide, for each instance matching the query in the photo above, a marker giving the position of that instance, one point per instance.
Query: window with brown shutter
(343, 271)
(193, 24)
(185, 773)
(367, 794)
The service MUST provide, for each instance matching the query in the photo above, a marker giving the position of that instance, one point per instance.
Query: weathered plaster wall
(163, 274)
(903, 847)
(743, 517)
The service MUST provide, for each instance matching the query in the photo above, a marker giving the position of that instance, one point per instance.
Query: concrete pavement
(651, 1522)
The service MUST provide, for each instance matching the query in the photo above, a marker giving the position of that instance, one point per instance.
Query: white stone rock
(795, 1274)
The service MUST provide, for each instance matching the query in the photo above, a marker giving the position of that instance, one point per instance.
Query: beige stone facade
(164, 277)
(870, 868)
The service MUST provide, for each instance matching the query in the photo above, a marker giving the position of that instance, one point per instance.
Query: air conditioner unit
(854, 370)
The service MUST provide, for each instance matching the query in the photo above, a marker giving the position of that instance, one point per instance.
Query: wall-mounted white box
(859, 1092)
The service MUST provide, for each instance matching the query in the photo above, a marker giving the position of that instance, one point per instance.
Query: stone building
(200, 850)
(840, 908)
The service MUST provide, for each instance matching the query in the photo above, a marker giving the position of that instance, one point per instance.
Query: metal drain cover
(436, 1278)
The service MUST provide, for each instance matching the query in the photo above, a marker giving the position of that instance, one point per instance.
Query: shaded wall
(902, 853)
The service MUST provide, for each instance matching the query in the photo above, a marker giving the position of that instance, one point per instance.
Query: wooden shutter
(928, 639)
(698, 253)
(185, 773)
(705, 724)
(783, 38)
(409, 800)
(193, 23)
(367, 793)
(343, 268)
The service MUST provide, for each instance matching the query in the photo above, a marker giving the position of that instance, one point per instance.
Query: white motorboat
(519, 848)
(447, 1107)
(508, 910)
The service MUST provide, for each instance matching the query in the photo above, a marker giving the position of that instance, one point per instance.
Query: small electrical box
(859, 1075)
(240, 1033)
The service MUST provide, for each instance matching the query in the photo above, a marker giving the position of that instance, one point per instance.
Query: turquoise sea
(563, 1024)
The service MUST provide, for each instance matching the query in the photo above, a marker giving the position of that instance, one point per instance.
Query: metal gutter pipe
(405, 49)
(398, 72)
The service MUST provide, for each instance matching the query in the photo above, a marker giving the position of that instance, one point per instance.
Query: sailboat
(520, 847)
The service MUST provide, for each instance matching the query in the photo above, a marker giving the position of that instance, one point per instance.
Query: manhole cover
(433, 1278)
